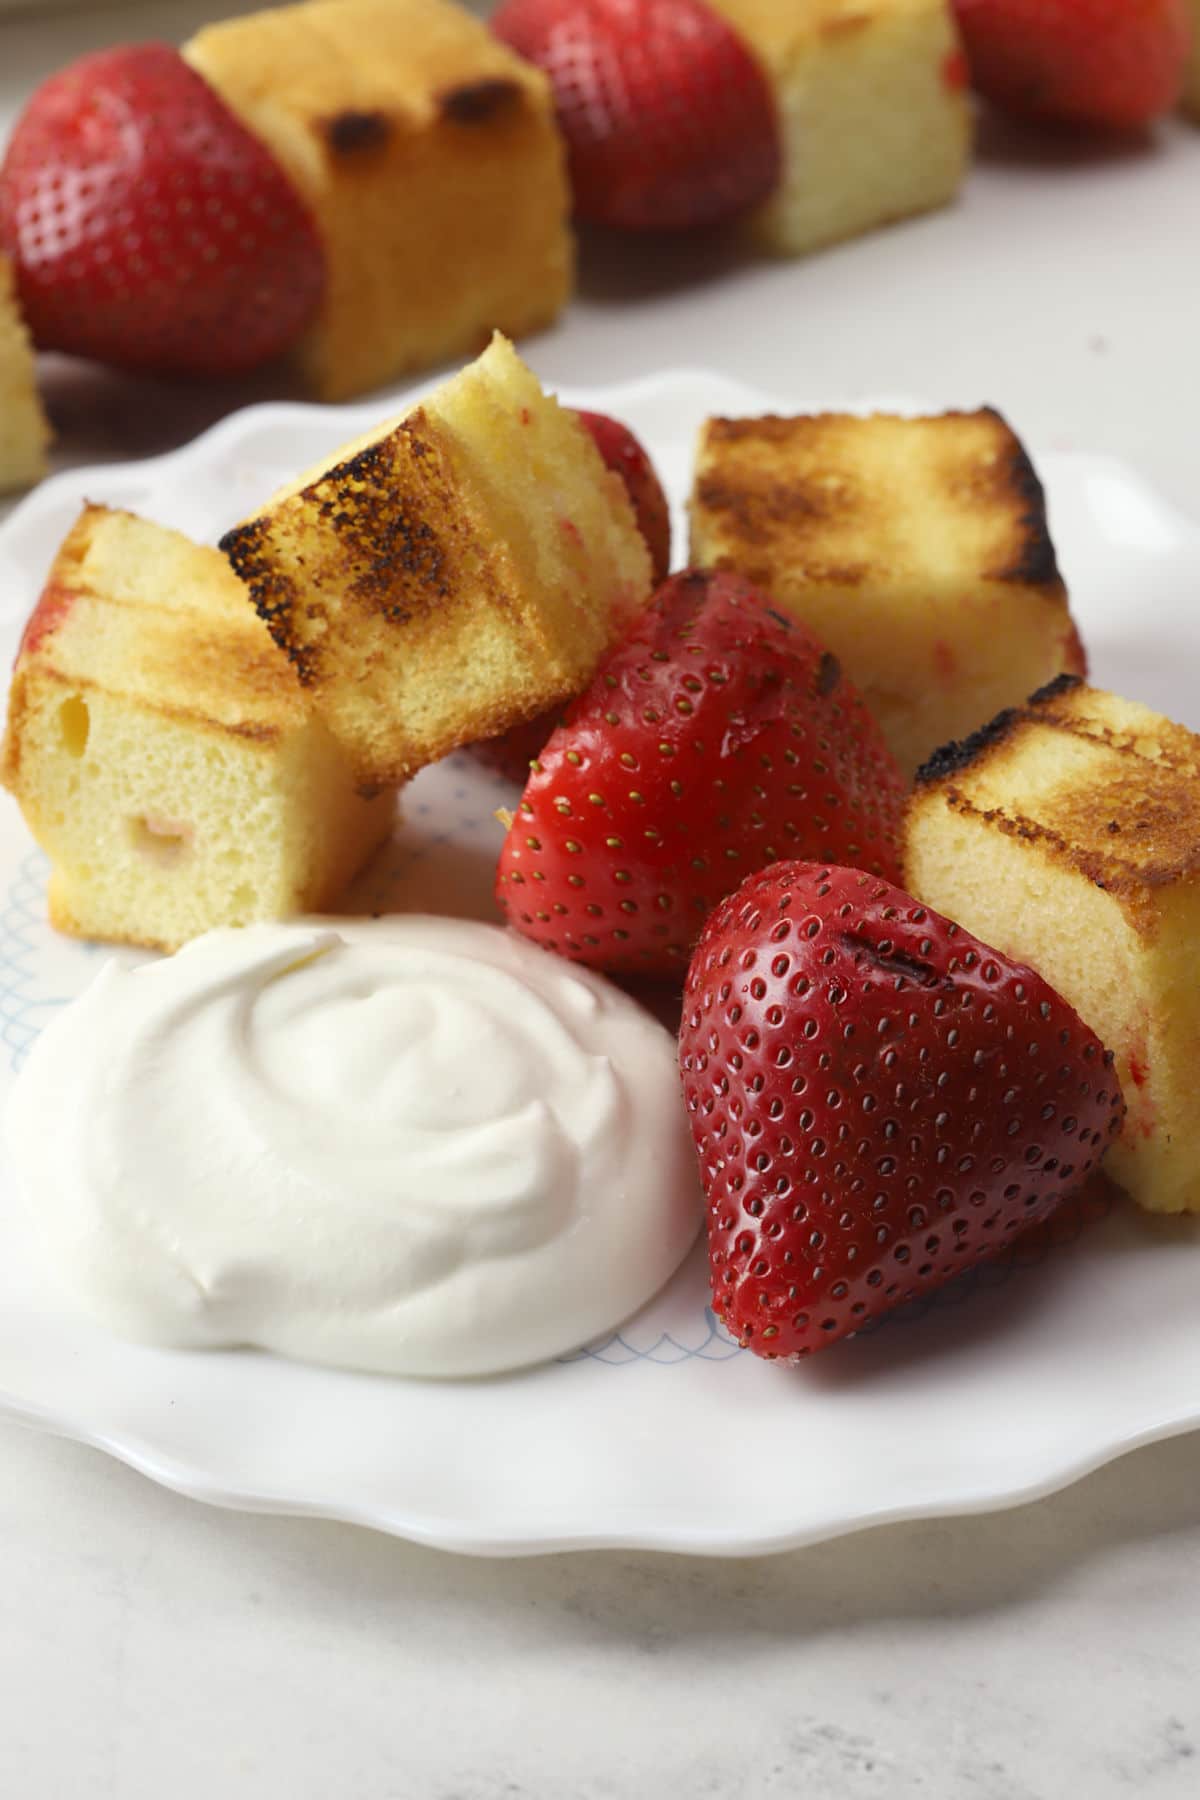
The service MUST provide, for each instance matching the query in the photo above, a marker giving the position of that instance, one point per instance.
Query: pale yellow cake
(1067, 833)
(24, 431)
(163, 753)
(453, 574)
(429, 155)
(872, 103)
(918, 550)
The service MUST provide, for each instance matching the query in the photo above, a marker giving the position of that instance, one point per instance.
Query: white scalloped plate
(664, 1435)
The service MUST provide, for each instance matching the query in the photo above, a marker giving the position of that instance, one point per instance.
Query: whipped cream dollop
(413, 1145)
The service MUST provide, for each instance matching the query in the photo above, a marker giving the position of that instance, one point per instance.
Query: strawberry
(149, 229)
(623, 452)
(717, 737)
(878, 1100)
(511, 753)
(1111, 63)
(669, 120)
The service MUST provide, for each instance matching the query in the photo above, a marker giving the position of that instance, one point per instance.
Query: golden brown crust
(429, 155)
(376, 558)
(1131, 829)
(394, 508)
(1012, 482)
(133, 609)
(24, 428)
(451, 574)
(163, 752)
(14, 734)
(789, 486)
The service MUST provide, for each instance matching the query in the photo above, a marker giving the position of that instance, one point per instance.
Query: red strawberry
(718, 737)
(879, 1101)
(1113, 63)
(623, 452)
(511, 753)
(669, 120)
(148, 227)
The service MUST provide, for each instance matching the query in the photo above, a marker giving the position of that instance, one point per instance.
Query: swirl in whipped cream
(412, 1145)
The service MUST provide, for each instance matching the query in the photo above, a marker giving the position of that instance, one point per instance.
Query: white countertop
(152, 1647)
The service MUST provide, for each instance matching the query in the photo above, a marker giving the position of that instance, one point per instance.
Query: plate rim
(131, 1447)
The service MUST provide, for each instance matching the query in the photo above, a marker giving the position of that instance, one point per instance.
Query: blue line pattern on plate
(715, 1346)
(23, 1010)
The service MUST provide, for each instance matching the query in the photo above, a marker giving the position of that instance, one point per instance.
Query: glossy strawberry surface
(878, 1100)
(627, 457)
(718, 737)
(1109, 63)
(148, 228)
(669, 120)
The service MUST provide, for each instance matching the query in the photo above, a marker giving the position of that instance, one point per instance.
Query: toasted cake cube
(24, 431)
(1067, 833)
(453, 574)
(917, 549)
(871, 96)
(430, 157)
(163, 752)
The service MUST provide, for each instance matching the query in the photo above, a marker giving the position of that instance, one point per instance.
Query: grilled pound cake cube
(24, 432)
(453, 574)
(871, 98)
(1067, 833)
(163, 753)
(429, 155)
(917, 549)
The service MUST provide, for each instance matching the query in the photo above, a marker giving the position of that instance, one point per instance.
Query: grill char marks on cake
(479, 102)
(918, 549)
(794, 483)
(1067, 835)
(429, 157)
(351, 134)
(960, 753)
(452, 574)
(1128, 815)
(775, 495)
(1035, 562)
(163, 752)
(389, 555)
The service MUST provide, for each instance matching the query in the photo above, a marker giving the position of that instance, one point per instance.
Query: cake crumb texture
(873, 112)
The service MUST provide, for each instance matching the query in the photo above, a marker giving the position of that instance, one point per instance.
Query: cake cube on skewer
(1067, 833)
(872, 105)
(917, 549)
(163, 752)
(24, 431)
(430, 158)
(453, 574)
